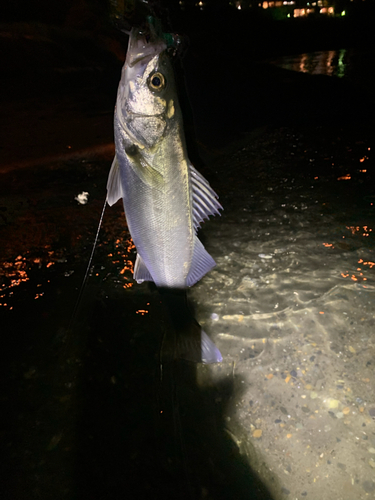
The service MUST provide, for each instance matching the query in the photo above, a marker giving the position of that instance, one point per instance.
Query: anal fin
(202, 262)
(141, 273)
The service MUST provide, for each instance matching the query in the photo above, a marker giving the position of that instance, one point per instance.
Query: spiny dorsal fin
(204, 198)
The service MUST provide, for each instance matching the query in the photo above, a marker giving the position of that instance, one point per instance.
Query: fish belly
(159, 219)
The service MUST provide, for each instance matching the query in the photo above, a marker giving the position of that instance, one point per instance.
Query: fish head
(146, 90)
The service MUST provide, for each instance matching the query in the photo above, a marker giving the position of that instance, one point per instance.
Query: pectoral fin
(146, 172)
(114, 187)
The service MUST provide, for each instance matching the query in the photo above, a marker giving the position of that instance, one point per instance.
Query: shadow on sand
(147, 432)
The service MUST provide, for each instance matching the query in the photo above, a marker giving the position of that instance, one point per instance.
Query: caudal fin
(187, 340)
(210, 353)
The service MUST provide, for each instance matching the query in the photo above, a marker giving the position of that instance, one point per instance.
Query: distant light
(343, 13)
(288, 15)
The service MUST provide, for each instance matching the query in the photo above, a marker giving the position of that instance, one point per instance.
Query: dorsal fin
(204, 198)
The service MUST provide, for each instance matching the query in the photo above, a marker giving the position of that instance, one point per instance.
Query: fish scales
(164, 197)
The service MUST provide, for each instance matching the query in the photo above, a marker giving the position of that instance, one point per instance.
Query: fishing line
(87, 269)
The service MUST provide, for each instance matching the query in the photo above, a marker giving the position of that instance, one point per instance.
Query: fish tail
(210, 353)
(186, 338)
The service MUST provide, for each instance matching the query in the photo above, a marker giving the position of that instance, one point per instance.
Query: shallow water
(287, 414)
(292, 309)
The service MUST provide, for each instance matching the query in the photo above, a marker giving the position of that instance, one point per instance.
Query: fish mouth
(141, 48)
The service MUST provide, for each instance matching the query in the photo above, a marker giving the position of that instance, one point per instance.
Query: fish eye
(157, 81)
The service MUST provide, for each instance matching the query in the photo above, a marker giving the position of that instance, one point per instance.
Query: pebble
(372, 463)
(285, 491)
(257, 433)
(214, 316)
(333, 403)
(265, 256)
(368, 486)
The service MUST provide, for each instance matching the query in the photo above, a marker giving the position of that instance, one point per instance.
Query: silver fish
(165, 198)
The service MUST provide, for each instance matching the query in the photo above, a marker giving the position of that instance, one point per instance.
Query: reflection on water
(328, 62)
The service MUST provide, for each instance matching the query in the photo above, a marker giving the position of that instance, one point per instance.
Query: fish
(165, 198)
